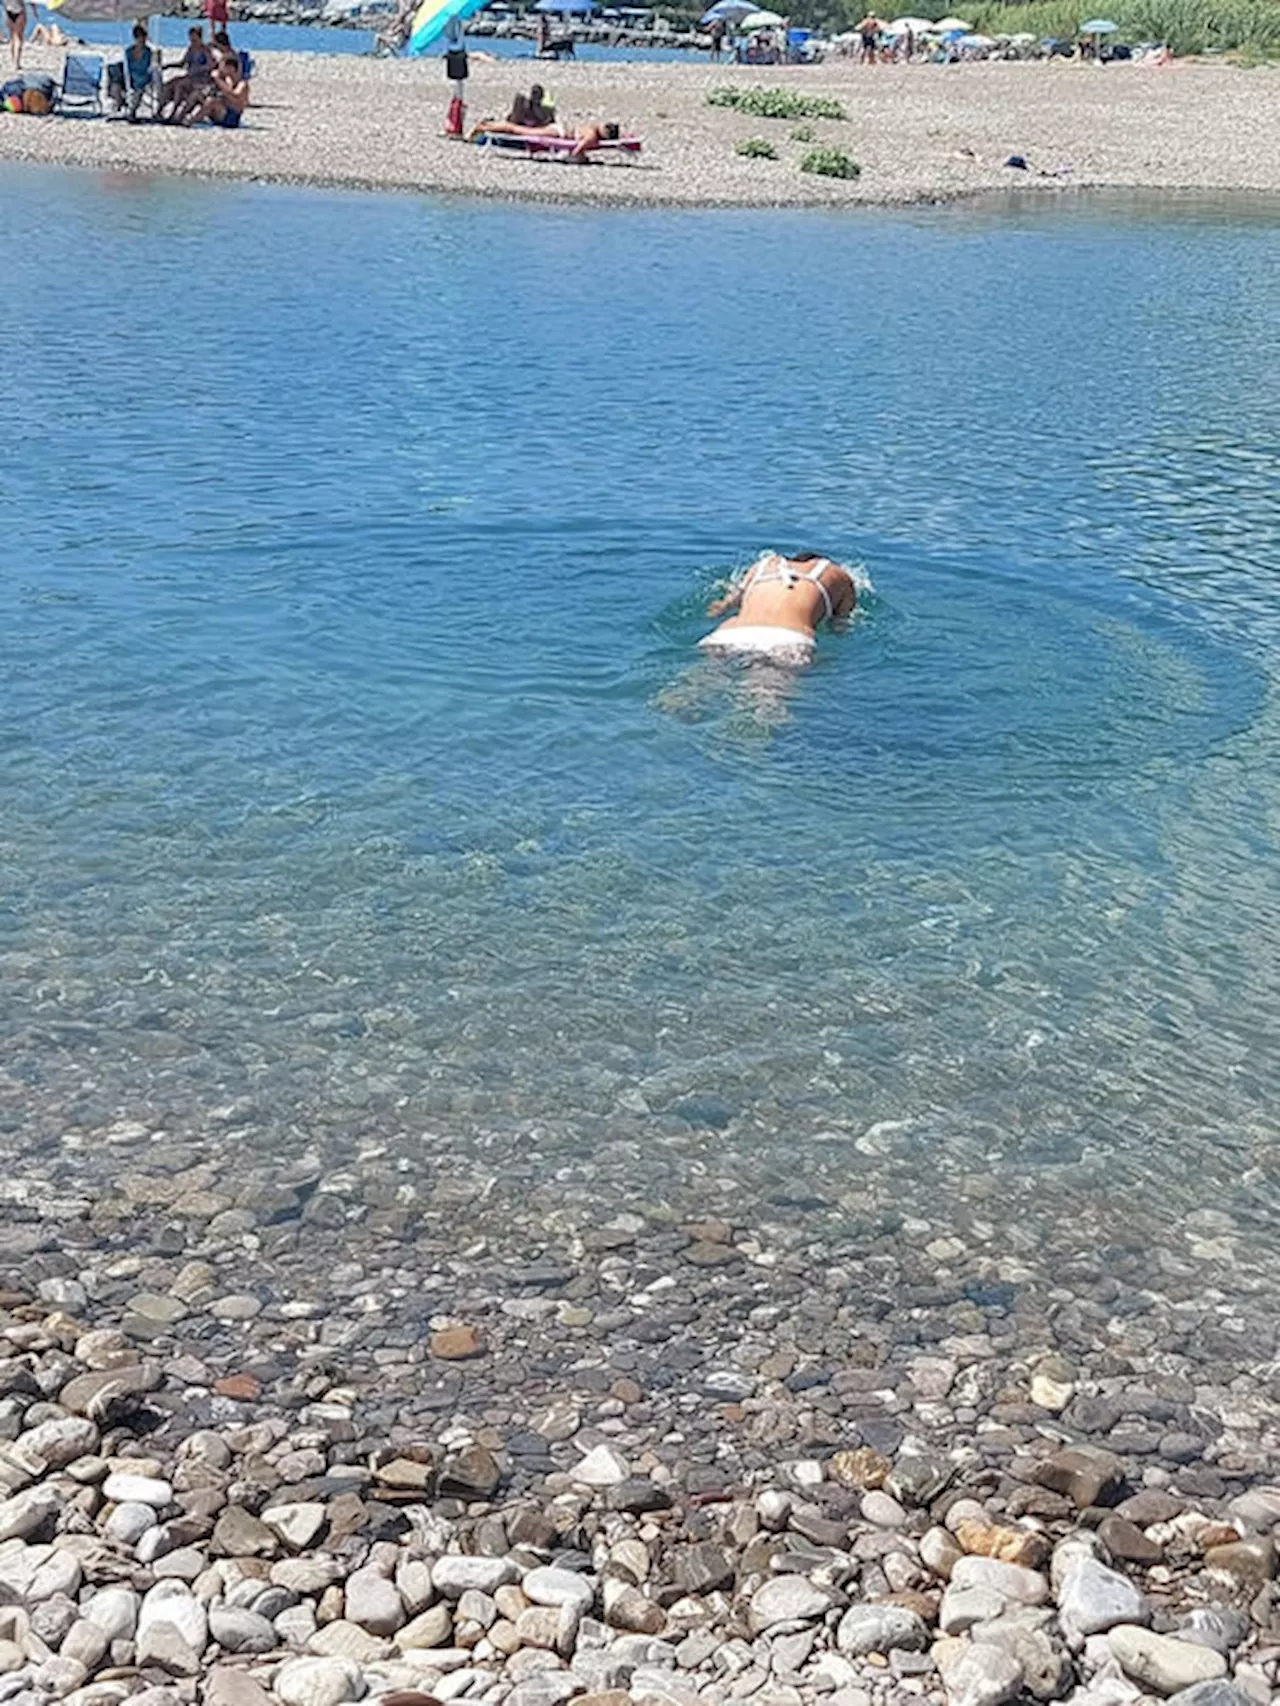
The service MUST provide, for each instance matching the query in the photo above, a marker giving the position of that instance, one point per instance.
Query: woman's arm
(729, 601)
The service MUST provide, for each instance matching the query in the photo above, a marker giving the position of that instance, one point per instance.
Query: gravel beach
(919, 133)
(412, 1424)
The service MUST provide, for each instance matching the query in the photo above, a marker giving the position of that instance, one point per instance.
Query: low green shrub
(803, 133)
(756, 148)
(830, 163)
(775, 103)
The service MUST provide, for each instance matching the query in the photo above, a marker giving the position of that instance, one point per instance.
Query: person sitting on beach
(532, 111)
(779, 605)
(139, 62)
(191, 83)
(226, 104)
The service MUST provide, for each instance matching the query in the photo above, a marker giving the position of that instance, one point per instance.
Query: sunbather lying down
(584, 137)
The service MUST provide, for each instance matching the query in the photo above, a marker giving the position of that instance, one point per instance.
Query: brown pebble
(1011, 1545)
(455, 1344)
(705, 1254)
(864, 1468)
(626, 1392)
(1125, 1539)
(243, 1387)
(1217, 1534)
(408, 1697)
(709, 1231)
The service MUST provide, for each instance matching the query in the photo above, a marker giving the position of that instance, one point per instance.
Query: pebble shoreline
(308, 1434)
(920, 133)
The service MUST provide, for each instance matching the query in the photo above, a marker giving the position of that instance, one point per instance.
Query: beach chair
(555, 147)
(81, 91)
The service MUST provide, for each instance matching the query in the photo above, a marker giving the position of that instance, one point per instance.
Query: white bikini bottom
(783, 645)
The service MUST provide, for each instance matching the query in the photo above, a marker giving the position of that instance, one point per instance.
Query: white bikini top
(787, 575)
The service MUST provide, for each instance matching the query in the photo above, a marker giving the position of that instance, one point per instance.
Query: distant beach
(919, 133)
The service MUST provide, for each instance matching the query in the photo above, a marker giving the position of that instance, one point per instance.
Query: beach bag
(455, 65)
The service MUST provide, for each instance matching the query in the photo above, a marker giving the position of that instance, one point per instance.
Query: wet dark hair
(139, 32)
(805, 556)
(536, 93)
(611, 132)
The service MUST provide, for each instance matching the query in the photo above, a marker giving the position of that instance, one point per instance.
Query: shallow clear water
(357, 766)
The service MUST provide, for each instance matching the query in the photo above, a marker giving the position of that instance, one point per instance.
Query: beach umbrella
(434, 17)
(1099, 27)
(945, 26)
(762, 20)
(914, 26)
(730, 11)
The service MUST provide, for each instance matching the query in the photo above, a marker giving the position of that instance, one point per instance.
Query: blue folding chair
(81, 90)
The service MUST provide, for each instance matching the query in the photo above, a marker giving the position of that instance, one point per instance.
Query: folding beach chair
(81, 90)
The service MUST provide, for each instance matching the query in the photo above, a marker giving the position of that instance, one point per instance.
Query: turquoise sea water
(357, 766)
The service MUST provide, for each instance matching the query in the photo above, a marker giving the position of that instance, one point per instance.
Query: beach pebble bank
(284, 1433)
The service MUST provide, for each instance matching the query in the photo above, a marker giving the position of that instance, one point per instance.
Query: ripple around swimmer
(358, 766)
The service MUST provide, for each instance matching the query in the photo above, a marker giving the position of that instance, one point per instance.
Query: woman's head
(536, 95)
(610, 132)
(139, 34)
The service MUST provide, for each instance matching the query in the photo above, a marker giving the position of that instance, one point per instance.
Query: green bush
(803, 133)
(756, 148)
(775, 103)
(830, 163)
(1185, 26)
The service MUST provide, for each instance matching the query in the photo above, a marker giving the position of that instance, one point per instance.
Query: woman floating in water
(780, 603)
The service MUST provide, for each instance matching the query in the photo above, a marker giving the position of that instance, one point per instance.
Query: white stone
(786, 1599)
(126, 1489)
(60, 1573)
(962, 1607)
(296, 1524)
(414, 1584)
(882, 1509)
(59, 1442)
(1051, 1394)
(456, 1572)
(1015, 1584)
(550, 1586)
(174, 1602)
(977, 1675)
(318, 1682)
(1161, 1662)
(373, 1602)
(430, 1628)
(129, 1522)
(601, 1467)
(25, 1512)
(1093, 1598)
(879, 1629)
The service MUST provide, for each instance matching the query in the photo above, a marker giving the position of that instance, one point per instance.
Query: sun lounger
(554, 147)
(81, 90)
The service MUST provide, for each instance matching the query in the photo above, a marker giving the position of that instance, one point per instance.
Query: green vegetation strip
(830, 163)
(1185, 26)
(775, 103)
(756, 148)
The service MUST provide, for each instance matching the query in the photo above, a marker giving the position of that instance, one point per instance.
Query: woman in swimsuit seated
(778, 605)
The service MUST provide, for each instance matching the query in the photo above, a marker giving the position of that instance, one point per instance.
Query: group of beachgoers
(210, 85)
(534, 115)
